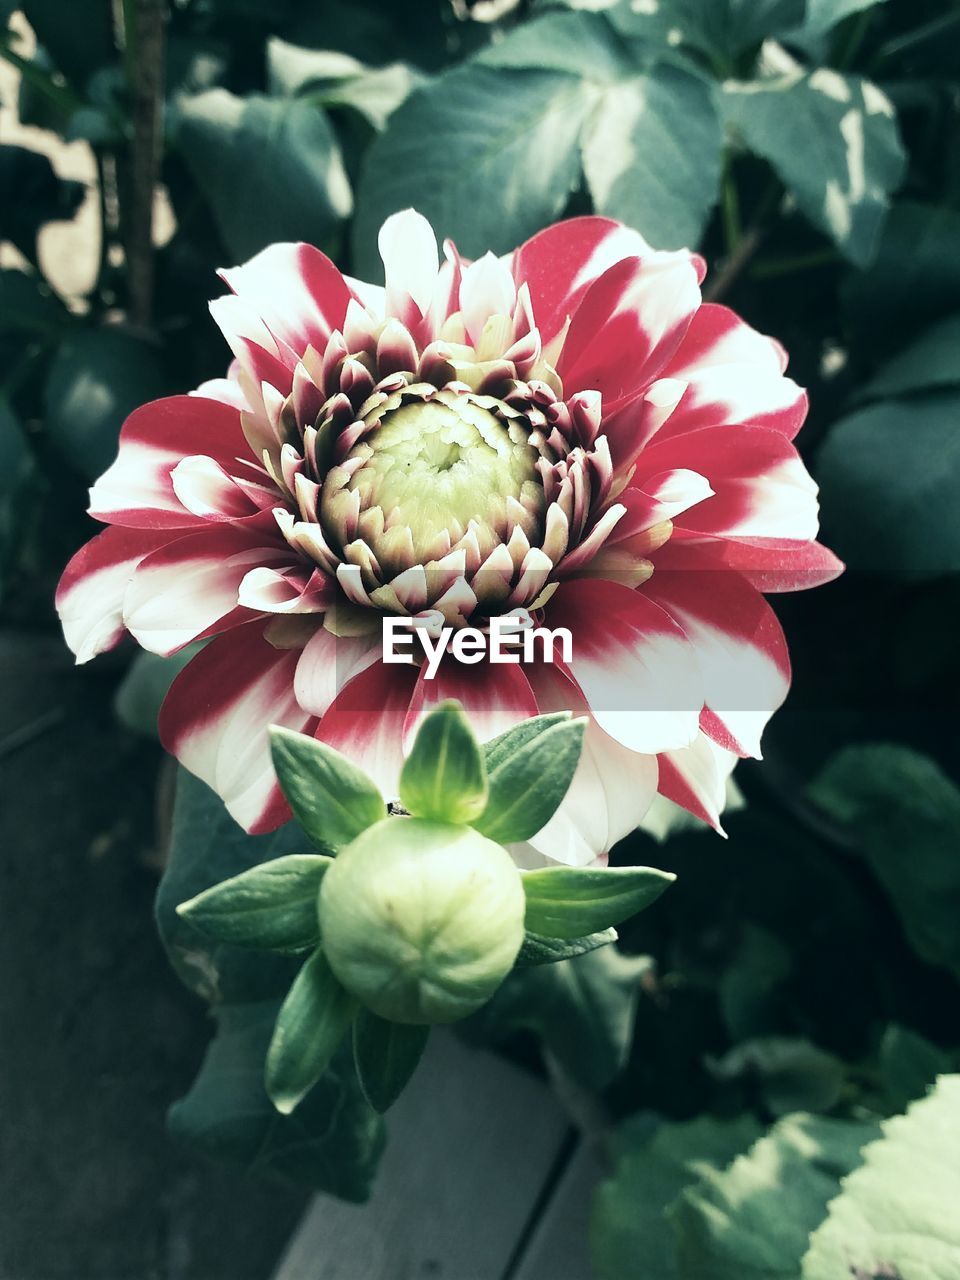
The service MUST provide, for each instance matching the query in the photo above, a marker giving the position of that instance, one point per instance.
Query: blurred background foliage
(799, 984)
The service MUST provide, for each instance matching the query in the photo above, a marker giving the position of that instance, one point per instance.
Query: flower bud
(421, 920)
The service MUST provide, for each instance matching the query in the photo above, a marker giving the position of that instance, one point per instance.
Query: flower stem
(893, 48)
(143, 44)
(774, 267)
(745, 246)
(60, 94)
(846, 49)
(730, 210)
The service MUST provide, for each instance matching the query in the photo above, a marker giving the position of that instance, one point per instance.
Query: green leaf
(568, 902)
(16, 476)
(330, 797)
(386, 1055)
(583, 1009)
(312, 1021)
(790, 1074)
(331, 1143)
(583, 44)
(661, 112)
(28, 306)
(375, 94)
(509, 743)
(844, 121)
(488, 155)
(291, 69)
(888, 479)
(540, 950)
(722, 29)
(529, 770)
(913, 280)
(272, 906)
(752, 1220)
(207, 847)
(144, 687)
(928, 362)
(909, 1064)
(95, 125)
(444, 776)
(629, 1232)
(336, 80)
(897, 1213)
(750, 989)
(97, 378)
(903, 815)
(270, 168)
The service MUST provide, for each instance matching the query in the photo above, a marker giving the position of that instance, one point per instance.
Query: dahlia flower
(567, 435)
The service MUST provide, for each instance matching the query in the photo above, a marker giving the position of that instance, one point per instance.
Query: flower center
(439, 467)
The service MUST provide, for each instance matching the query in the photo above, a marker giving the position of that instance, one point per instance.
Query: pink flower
(567, 434)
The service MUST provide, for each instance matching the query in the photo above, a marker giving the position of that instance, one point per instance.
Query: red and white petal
(769, 564)
(293, 589)
(695, 778)
(761, 487)
(560, 263)
(635, 666)
(330, 662)
(494, 697)
(663, 497)
(365, 721)
(628, 324)
(297, 292)
(226, 390)
(486, 289)
(633, 421)
(372, 297)
(612, 788)
(718, 336)
(408, 248)
(256, 353)
(216, 716)
(727, 395)
(739, 644)
(205, 489)
(611, 792)
(446, 293)
(137, 490)
(91, 591)
(190, 587)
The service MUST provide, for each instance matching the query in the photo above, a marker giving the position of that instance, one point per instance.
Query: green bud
(421, 920)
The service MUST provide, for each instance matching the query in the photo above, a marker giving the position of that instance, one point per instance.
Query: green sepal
(330, 797)
(444, 777)
(272, 907)
(508, 743)
(568, 902)
(538, 949)
(386, 1055)
(312, 1021)
(529, 770)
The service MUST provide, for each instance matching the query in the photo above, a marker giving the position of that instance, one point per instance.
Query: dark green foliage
(810, 962)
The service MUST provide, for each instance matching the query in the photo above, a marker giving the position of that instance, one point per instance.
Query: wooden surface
(557, 1246)
(482, 1180)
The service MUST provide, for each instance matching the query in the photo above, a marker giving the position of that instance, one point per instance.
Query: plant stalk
(144, 37)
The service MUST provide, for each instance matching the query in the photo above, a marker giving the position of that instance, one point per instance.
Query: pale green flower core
(436, 467)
